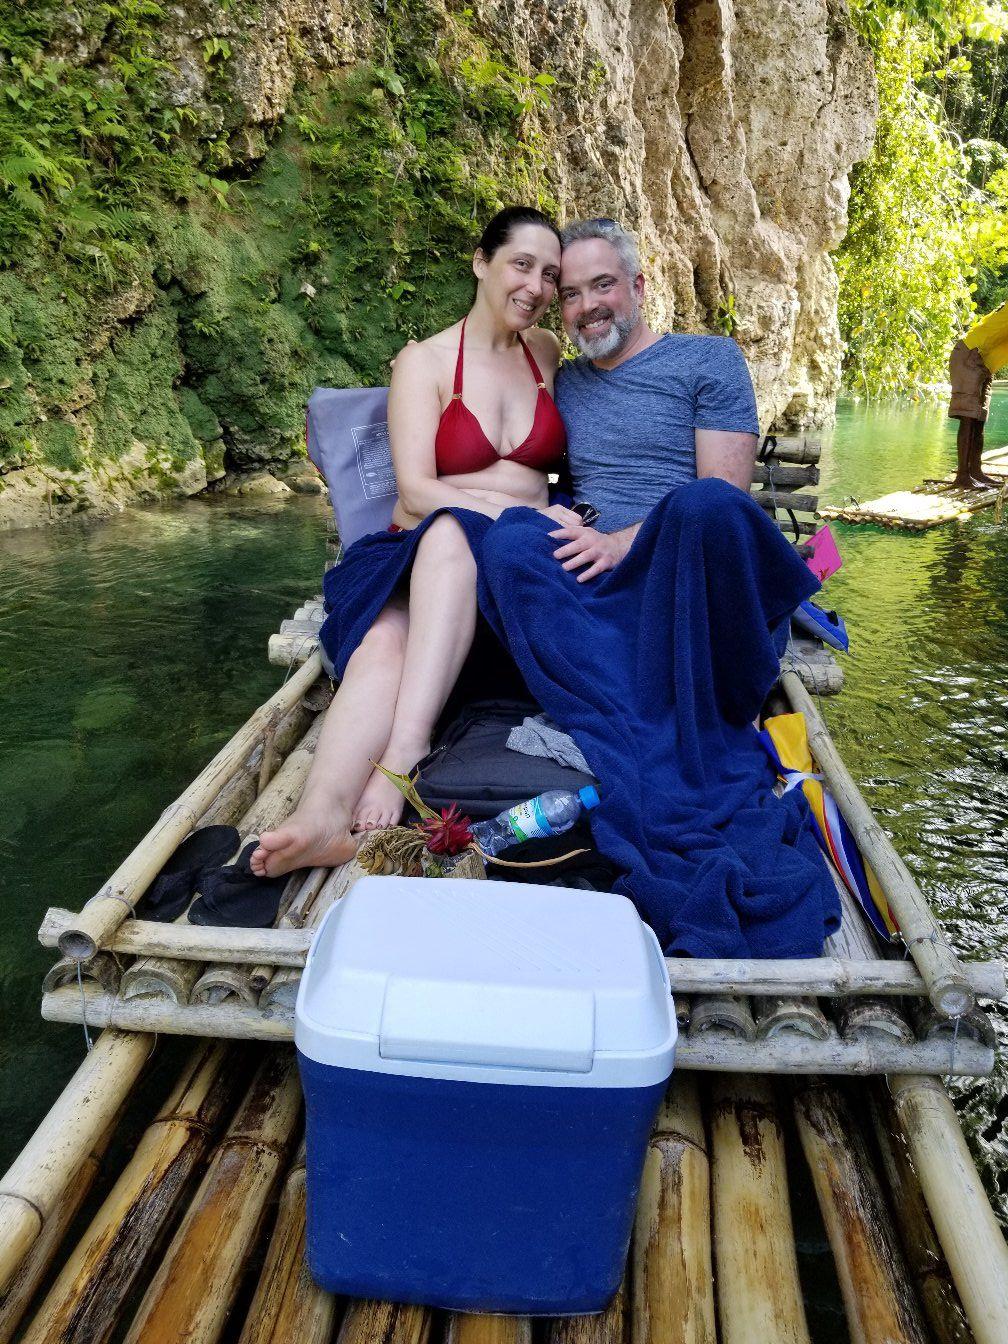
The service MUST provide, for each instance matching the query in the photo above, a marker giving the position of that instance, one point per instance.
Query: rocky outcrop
(721, 131)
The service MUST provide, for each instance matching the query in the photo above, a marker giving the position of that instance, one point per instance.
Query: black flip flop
(233, 897)
(178, 881)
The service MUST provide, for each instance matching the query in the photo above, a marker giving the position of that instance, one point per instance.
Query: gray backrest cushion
(348, 441)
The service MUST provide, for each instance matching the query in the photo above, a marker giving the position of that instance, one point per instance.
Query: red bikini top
(460, 446)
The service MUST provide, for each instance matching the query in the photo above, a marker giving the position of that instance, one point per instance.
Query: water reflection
(922, 721)
(130, 650)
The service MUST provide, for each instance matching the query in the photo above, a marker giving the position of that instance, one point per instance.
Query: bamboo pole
(874, 1280)
(791, 449)
(822, 977)
(35, 1181)
(774, 1015)
(725, 1016)
(758, 1293)
(605, 1327)
(194, 942)
(291, 650)
(967, 1229)
(782, 499)
(192, 1292)
(223, 980)
(858, 1019)
(472, 1328)
(234, 799)
(869, 1015)
(710, 1051)
(238, 795)
(103, 970)
(926, 1259)
(39, 1259)
(786, 477)
(112, 903)
(280, 992)
(225, 1021)
(672, 1300)
(366, 1322)
(288, 1306)
(791, 1053)
(176, 980)
(85, 1303)
(940, 968)
(292, 920)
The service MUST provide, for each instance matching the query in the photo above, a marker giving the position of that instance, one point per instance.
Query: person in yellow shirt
(972, 365)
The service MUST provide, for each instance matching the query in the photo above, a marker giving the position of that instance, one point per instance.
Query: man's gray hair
(610, 232)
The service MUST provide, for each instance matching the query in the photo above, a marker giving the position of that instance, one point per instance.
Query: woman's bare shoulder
(429, 355)
(544, 346)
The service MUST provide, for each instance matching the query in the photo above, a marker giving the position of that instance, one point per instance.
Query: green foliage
(948, 20)
(920, 230)
(313, 266)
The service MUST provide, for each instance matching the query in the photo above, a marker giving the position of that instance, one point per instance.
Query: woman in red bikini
(473, 428)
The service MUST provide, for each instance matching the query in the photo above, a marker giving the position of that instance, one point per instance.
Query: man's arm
(727, 455)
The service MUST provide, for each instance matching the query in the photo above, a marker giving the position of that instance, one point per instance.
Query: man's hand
(584, 546)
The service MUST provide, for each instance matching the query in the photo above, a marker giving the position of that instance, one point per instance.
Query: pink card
(825, 558)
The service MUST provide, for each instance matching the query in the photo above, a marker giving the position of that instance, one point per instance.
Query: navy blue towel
(657, 670)
(356, 589)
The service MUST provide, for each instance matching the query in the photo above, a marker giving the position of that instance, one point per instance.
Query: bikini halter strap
(457, 387)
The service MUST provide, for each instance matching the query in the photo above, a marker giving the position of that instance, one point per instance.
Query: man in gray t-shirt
(645, 413)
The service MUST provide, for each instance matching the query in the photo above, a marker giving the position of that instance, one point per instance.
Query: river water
(130, 650)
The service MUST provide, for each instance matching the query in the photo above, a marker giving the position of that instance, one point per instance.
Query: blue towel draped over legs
(657, 669)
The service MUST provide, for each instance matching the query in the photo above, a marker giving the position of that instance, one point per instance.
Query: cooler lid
(491, 981)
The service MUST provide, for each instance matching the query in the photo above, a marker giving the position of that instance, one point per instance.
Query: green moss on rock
(164, 287)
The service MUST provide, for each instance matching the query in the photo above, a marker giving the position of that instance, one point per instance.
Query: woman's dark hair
(504, 222)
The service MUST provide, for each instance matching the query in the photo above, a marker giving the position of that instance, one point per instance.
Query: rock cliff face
(721, 131)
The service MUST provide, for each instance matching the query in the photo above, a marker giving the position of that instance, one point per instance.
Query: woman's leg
(442, 622)
(356, 730)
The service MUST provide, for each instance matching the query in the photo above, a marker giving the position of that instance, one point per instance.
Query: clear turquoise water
(131, 649)
(923, 718)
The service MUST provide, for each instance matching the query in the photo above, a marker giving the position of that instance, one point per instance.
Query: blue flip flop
(825, 625)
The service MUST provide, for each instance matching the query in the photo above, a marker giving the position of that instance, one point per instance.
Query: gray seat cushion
(348, 441)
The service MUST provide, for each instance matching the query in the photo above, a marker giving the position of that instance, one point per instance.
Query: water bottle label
(528, 821)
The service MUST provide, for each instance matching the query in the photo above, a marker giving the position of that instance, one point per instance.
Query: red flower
(447, 834)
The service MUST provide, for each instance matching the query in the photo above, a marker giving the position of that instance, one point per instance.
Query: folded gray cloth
(541, 737)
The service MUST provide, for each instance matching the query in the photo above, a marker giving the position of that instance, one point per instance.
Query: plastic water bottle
(549, 813)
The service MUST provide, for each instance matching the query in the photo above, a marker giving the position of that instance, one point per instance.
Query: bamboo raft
(826, 1071)
(929, 504)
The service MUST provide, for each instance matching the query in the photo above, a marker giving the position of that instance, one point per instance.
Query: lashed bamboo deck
(929, 504)
(200, 1235)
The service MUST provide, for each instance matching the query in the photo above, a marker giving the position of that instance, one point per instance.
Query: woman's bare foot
(381, 804)
(307, 839)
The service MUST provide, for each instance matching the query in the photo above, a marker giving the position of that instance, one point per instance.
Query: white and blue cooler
(482, 1063)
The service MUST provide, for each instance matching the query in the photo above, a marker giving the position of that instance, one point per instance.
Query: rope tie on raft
(83, 1002)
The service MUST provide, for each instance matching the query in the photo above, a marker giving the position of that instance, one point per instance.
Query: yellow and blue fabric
(786, 742)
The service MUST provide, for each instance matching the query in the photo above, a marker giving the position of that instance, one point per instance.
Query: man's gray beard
(604, 347)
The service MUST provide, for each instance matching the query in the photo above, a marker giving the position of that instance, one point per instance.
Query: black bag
(472, 765)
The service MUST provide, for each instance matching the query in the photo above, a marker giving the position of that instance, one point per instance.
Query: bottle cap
(589, 797)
